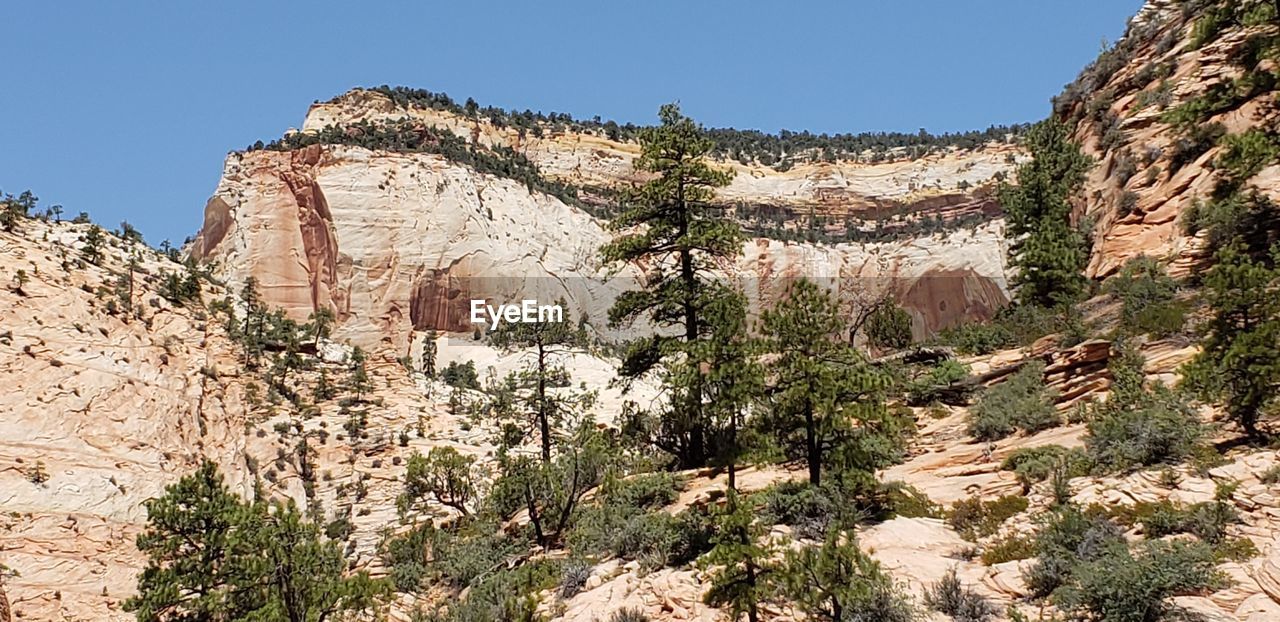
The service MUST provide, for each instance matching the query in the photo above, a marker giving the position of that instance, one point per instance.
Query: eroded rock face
(1140, 190)
(99, 412)
(396, 242)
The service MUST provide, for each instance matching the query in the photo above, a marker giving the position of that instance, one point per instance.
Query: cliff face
(1150, 173)
(401, 242)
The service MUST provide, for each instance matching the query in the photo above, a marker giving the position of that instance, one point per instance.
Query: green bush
(1247, 153)
(976, 339)
(976, 518)
(1125, 586)
(907, 501)
(810, 510)
(1147, 298)
(1161, 429)
(628, 614)
(1009, 548)
(1067, 537)
(1019, 403)
(922, 389)
(1035, 464)
(838, 582)
(1207, 520)
(889, 327)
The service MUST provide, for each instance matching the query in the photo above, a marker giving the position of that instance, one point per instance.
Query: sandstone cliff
(1151, 173)
(400, 242)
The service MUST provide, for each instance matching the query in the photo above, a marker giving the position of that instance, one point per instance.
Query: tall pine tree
(670, 225)
(1048, 249)
(824, 400)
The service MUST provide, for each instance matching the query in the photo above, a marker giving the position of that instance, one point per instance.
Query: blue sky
(127, 109)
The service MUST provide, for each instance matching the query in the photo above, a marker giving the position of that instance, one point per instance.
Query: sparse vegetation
(1019, 403)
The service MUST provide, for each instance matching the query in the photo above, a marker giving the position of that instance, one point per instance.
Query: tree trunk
(812, 454)
(753, 612)
(544, 424)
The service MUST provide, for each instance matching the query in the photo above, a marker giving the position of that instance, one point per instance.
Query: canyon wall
(399, 242)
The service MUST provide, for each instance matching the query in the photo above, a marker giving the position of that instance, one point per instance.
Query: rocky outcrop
(397, 243)
(1142, 185)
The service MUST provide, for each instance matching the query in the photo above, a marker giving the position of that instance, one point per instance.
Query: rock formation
(400, 242)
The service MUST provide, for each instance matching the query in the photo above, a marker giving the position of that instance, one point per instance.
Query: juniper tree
(1048, 250)
(824, 400)
(1239, 364)
(549, 341)
(670, 225)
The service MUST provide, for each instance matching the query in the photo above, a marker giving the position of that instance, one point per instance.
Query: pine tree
(1048, 250)
(320, 325)
(669, 224)
(358, 379)
(550, 492)
(301, 572)
(444, 476)
(1239, 364)
(213, 556)
(92, 249)
(191, 540)
(738, 561)
(549, 341)
(732, 378)
(825, 402)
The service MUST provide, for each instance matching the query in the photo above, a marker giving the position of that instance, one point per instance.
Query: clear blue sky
(127, 109)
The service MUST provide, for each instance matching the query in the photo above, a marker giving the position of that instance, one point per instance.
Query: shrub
(837, 582)
(1247, 153)
(889, 326)
(1147, 298)
(1021, 402)
(975, 518)
(810, 510)
(1035, 464)
(574, 577)
(1127, 587)
(907, 501)
(1008, 548)
(1162, 429)
(923, 389)
(977, 338)
(1207, 520)
(951, 597)
(1271, 475)
(628, 614)
(628, 523)
(1068, 537)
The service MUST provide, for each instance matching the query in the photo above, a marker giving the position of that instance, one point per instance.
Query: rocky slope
(1150, 173)
(103, 408)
